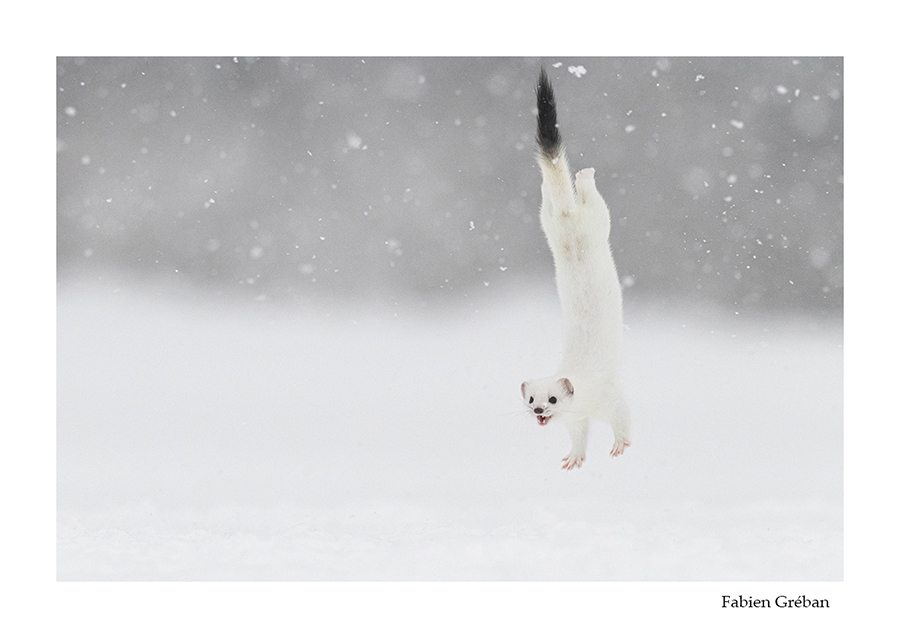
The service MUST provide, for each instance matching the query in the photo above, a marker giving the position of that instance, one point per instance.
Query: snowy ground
(211, 441)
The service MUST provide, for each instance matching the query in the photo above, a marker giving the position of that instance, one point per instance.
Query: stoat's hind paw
(572, 461)
(585, 186)
(619, 447)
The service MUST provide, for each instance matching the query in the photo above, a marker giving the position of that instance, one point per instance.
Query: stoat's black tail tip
(548, 139)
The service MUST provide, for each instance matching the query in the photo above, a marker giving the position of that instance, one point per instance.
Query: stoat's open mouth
(543, 420)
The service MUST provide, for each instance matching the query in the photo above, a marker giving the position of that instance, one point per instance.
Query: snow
(208, 440)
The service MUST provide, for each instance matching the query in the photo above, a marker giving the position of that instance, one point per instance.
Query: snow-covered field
(202, 440)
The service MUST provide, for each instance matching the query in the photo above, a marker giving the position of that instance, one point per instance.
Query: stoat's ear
(524, 385)
(567, 386)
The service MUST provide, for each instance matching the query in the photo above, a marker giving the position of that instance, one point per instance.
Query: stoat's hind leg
(589, 200)
(584, 176)
(585, 186)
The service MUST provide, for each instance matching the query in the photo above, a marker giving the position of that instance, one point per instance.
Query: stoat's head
(547, 397)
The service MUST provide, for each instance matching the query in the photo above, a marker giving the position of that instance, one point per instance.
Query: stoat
(576, 221)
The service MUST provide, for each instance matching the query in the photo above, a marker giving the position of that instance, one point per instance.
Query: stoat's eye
(552, 399)
(531, 400)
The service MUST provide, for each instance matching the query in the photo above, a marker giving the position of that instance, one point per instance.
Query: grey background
(279, 178)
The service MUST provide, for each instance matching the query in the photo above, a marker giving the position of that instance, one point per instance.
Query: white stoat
(576, 223)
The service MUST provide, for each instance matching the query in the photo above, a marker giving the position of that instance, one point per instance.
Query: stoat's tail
(551, 154)
(549, 142)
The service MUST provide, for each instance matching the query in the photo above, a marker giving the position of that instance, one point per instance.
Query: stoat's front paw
(572, 461)
(619, 447)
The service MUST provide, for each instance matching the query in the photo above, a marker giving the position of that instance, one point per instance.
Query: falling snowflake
(394, 247)
(354, 141)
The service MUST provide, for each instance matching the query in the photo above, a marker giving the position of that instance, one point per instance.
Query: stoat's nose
(539, 410)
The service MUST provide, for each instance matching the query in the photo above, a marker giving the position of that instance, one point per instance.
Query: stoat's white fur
(576, 222)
